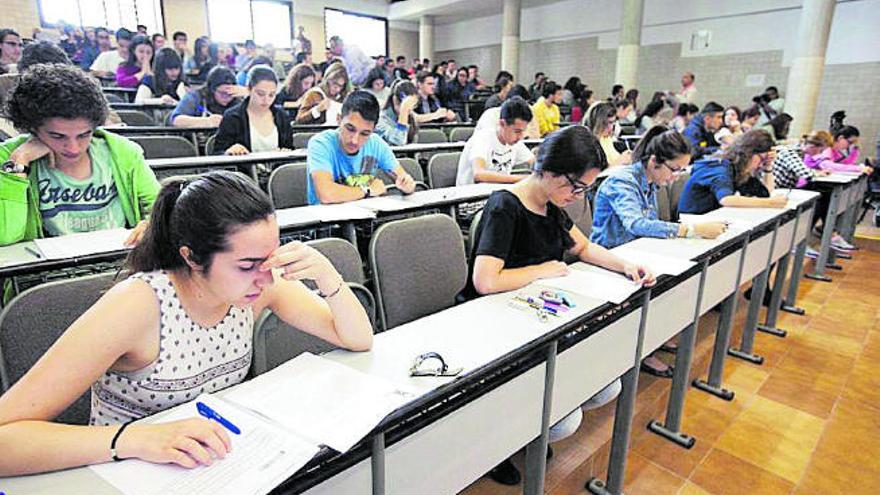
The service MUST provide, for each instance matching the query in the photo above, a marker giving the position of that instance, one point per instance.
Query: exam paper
(384, 203)
(325, 402)
(262, 456)
(658, 264)
(594, 282)
(73, 245)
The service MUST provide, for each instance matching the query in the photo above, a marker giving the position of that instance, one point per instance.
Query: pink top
(125, 76)
(834, 161)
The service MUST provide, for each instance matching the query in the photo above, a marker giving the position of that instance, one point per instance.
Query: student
(490, 117)
(108, 62)
(321, 103)
(10, 50)
(397, 125)
(457, 92)
(66, 175)
(300, 79)
(158, 41)
(633, 96)
(491, 154)
(375, 84)
(778, 126)
(400, 70)
(572, 88)
(535, 88)
(255, 124)
(205, 107)
(730, 179)
(429, 108)
(41, 52)
(841, 155)
(749, 118)
(683, 117)
(204, 59)
(204, 268)
(617, 92)
(250, 53)
(731, 127)
(139, 64)
(92, 48)
(503, 85)
(241, 78)
(622, 109)
(601, 120)
(474, 77)
(180, 40)
(343, 162)
(525, 233)
(165, 85)
(545, 109)
(141, 30)
(701, 130)
(582, 102)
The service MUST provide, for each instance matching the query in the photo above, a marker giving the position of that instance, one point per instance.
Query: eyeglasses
(675, 171)
(577, 187)
(13, 43)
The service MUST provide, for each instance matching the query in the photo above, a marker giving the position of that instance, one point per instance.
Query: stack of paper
(592, 281)
(658, 264)
(86, 243)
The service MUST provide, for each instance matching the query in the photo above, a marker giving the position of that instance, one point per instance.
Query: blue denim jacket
(626, 209)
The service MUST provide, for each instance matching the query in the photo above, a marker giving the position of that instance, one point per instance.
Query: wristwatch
(367, 192)
(12, 167)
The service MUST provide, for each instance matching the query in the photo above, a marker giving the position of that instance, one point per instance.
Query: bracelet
(115, 438)
(328, 296)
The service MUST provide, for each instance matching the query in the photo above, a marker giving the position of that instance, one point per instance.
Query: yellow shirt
(547, 117)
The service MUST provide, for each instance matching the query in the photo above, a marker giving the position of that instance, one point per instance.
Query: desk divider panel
(784, 235)
(805, 223)
(756, 256)
(720, 279)
(843, 202)
(356, 479)
(470, 441)
(587, 367)
(670, 313)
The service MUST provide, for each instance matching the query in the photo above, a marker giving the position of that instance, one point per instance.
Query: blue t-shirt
(327, 155)
(711, 181)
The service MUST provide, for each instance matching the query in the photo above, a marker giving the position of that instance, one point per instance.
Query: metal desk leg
(825, 254)
(797, 269)
(254, 173)
(194, 137)
(769, 325)
(671, 427)
(350, 233)
(722, 338)
(759, 288)
(377, 464)
(536, 450)
(623, 415)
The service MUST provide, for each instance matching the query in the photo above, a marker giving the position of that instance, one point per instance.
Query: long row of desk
(523, 375)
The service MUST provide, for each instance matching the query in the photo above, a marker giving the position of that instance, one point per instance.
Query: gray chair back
(27, 330)
(166, 146)
(419, 267)
(344, 257)
(442, 169)
(276, 342)
(431, 136)
(461, 134)
(581, 215)
(135, 117)
(675, 190)
(412, 167)
(287, 185)
(301, 139)
(664, 211)
(209, 145)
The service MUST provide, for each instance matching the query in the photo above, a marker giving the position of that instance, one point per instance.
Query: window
(112, 14)
(369, 33)
(264, 21)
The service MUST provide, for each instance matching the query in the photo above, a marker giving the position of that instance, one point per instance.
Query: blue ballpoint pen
(209, 413)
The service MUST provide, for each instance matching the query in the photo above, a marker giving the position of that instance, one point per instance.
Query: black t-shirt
(753, 188)
(511, 232)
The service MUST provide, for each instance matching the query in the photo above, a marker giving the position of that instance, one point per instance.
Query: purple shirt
(125, 76)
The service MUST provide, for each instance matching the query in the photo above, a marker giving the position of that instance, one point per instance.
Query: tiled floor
(805, 422)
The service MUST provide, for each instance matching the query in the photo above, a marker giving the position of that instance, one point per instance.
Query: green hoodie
(20, 218)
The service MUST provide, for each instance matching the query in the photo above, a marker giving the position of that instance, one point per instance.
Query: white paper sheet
(594, 282)
(262, 456)
(326, 402)
(795, 196)
(836, 178)
(73, 245)
(657, 263)
(384, 203)
(457, 193)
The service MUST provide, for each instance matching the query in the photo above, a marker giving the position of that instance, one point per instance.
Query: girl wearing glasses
(322, 103)
(843, 153)
(626, 204)
(732, 179)
(601, 119)
(524, 235)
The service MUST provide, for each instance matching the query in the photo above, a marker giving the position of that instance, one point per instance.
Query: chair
(411, 165)
(111, 98)
(276, 342)
(419, 267)
(581, 215)
(675, 191)
(166, 146)
(461, 134)
(429, 136)
(301, 139)
(209, 145)
(664, 211)
(344, 257)
(27, 330)
(472, 233)
(135, 118)
(443, 169)
(287, 185)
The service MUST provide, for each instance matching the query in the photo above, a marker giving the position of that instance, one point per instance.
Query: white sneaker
(812, 253)
(840, 243)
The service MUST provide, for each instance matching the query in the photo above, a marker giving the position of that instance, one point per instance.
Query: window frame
(287, 3)
(45, 24)
(327, 35)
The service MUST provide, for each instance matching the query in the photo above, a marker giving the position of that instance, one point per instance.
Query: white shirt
(498, 157)
(107, 62)
(260, 142)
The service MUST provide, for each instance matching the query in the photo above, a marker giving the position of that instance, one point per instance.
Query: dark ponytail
(199, 212)
(663, 144)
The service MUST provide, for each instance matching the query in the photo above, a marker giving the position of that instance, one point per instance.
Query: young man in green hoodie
(66, 176)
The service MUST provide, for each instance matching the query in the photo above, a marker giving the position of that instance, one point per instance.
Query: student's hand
(377, 188)
(409, 103)
(639, 274)
(710, 230)
(32, 149)
(168, 99)
(324, 105)
(867, 170)
(136, 233)
(822, 173)
(237, 149)
(777, 201)
(214, 119)
(551, 269)
(299, 261)
(405, 183)
(450, 116)
(439, 113)
(626, 157)
(188, 443)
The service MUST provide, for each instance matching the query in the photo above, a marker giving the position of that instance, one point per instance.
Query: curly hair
(41, 52)
(746, 146)
(48, 91)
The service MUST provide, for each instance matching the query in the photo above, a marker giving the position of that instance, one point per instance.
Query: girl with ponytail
(180, 326)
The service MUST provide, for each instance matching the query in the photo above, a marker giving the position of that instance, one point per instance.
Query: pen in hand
(209, 413)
